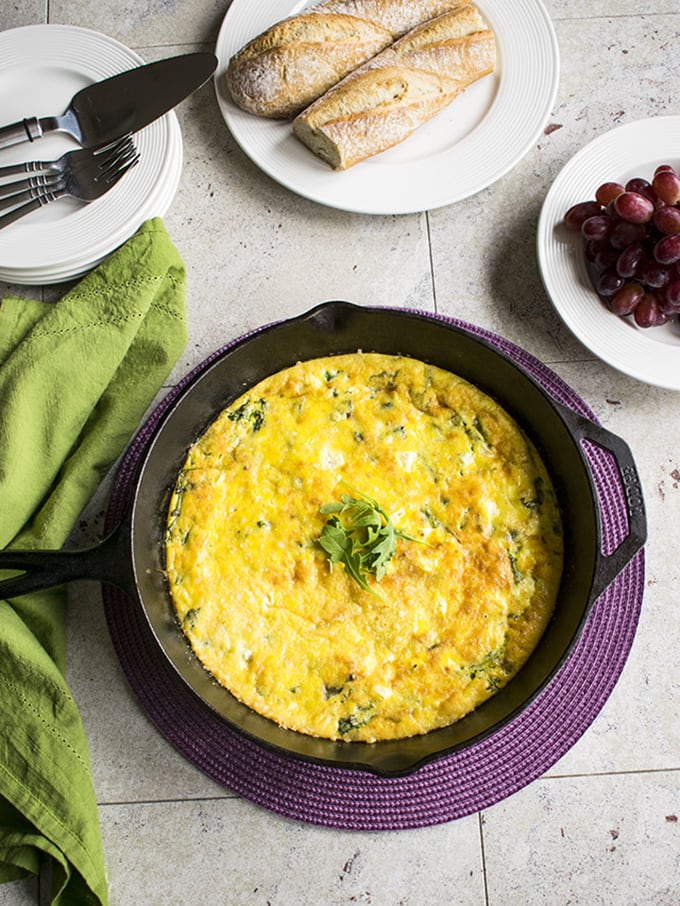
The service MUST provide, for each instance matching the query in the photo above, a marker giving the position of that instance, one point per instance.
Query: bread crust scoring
(288, 66)
(384, 101)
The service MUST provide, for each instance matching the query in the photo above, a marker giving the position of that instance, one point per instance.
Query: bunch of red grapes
(631, 237)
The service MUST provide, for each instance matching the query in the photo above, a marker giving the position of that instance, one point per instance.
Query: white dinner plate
(635, 149)
(464, 149)
(41, 68)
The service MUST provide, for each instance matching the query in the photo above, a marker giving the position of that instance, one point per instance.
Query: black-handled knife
(121, 104)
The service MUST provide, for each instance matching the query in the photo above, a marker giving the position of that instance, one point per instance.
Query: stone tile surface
(588, 839)
(256, 858)
(601, 827)
(17, 13)
(158, 22)
(19, 893)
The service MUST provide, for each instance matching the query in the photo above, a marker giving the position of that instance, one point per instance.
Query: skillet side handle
(608, 566)
(107, 561)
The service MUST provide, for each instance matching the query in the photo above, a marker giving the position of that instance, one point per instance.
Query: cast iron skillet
(132, 556)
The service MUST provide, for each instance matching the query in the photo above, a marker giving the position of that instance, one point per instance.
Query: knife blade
(120, 104)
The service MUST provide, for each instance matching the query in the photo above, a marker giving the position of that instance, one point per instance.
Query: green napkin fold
(76, 378)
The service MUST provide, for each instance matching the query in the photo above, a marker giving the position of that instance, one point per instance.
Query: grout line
(480, 825)
(208, 44)
(607, 18)
(631, 773)
(227, 796)
(582, 359)
(431, 257)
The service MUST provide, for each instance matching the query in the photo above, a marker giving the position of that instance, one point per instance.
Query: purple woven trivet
(456, 785)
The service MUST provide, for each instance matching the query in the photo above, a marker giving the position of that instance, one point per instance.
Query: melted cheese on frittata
(301, 642)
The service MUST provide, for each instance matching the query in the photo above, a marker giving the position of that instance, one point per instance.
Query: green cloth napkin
(76, 378)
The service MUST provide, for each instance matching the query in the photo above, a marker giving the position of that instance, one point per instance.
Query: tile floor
(602, 826)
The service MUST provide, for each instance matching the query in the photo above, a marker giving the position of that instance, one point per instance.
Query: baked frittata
(271, 514)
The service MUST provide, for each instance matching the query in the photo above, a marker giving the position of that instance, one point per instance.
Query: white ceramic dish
(464, 149)
(41, 68)
(652, 354)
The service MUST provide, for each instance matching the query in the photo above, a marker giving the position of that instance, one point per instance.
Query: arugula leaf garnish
(361, 535)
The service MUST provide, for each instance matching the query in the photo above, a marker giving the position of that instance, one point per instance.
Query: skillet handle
(608, 566)
(107, 561)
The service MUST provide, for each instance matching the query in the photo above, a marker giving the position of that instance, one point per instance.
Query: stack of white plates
(41, 68)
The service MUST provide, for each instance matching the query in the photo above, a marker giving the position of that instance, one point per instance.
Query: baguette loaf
(288, 66)
(382, 102)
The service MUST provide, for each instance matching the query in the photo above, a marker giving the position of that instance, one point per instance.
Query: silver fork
(48, 171)
(61, 163)
(85, 176)
(73, 166)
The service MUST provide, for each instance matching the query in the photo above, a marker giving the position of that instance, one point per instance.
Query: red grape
(647, 312)
(634, 207)
(671, 293)
(667, 219)
(630, 259)
(605, 257)
(596, 227)
(653, 275)
(623, 233)
(609, 283)
(624, 301)
(667, 250)
(611, 210)
(665, 304)
(667, 186)
(607, 192)
(663, 167)
(580, 212)
(642, 187)
(591, 249)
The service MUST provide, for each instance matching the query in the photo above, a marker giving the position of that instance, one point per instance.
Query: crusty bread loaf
(397, 17)
(288, 66)
(382, 102)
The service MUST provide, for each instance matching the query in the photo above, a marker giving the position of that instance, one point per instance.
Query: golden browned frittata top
(452, 613)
